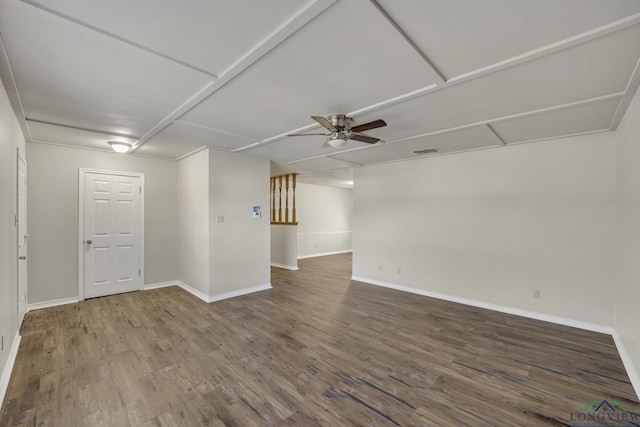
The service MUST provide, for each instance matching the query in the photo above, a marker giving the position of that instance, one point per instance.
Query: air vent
(426, 151)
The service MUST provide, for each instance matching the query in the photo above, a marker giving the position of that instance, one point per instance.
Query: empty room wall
(11, 140)
(240, 246)
(324, 215)
(627, 291)
(193, 221)
(53, 216)
(494, 225)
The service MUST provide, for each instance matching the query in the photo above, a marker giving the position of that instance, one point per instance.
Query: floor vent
(426, 151)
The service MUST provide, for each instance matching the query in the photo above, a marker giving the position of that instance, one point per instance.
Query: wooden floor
(317, 349)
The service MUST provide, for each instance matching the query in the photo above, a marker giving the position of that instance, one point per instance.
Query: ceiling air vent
(426, 151)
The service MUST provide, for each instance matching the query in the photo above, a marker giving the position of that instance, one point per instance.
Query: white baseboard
(52, 303)
(159, 285)
(240, 292)
(8, 367)
(206, 298)
(325, 254)
(628, 363)
(495, 307)
(287, 267)
(193, 291)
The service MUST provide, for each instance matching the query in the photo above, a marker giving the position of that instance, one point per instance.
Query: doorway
(111, 243)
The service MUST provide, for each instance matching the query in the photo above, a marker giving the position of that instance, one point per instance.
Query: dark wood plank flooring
(317, 349)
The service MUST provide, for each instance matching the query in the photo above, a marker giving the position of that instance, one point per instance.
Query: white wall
(324, 215)
(240, 247)
(627, 291)
(284, 246)
(11, 140)
(53, 216)
(493, 225)
(193, 221)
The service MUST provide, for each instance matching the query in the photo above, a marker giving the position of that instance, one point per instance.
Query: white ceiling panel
(320, 164)
(49, 133)
(345, 59)
(79, 77)
(460, 36)
(209, 35)
(180, 138)
(582, 119)
(298, 147)
(597, 68)
(467, 139)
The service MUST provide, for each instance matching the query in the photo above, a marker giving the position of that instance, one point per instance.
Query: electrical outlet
(219, 219)
(536, 293)
(379, 267)
(398, 271)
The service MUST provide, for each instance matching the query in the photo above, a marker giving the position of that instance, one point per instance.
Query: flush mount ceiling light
(119, 146)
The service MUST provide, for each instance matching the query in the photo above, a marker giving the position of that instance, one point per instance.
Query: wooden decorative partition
(283, 187)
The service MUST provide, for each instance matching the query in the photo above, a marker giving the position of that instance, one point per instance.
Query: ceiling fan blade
(308, 134)
(368, 126)
(364, 138)
(324, 122)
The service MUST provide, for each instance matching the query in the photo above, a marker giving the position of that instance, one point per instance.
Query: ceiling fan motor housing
(340, 121)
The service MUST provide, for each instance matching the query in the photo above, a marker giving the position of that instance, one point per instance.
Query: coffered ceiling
(456, 75)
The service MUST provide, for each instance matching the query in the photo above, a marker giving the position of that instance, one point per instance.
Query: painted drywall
(494, 225)
(240, 247)
(324, 219)
(193, 221)
(627, 291)
(284, 246)
(53, 216)
(11, 140)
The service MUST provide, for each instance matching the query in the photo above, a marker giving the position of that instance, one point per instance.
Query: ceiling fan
(341, 131)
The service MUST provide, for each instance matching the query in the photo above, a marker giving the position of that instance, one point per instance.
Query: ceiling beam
(634, 82)
(383, 13)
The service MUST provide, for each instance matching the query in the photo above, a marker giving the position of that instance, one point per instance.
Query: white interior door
(21, 218)
(112, 234)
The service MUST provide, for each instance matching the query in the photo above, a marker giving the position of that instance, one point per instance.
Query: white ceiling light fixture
(339, 140)
(119, 146)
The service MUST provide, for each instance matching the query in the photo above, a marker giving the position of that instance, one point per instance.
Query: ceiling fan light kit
(342, 132)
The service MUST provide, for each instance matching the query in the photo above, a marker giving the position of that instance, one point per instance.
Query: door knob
(89, 242)
(23, 257)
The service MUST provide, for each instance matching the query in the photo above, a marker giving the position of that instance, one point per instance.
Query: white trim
(193, 291)
(206, 298)
(287, 267)
(52, 303)
(8, 367)
(628, 363)
(325, 254)
(240, 292)
(159, 285)
(191, 153)
(21, 158)
(81, 174)
(495, 307)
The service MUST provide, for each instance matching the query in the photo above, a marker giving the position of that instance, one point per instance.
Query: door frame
(81, 176)
(20, 158)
